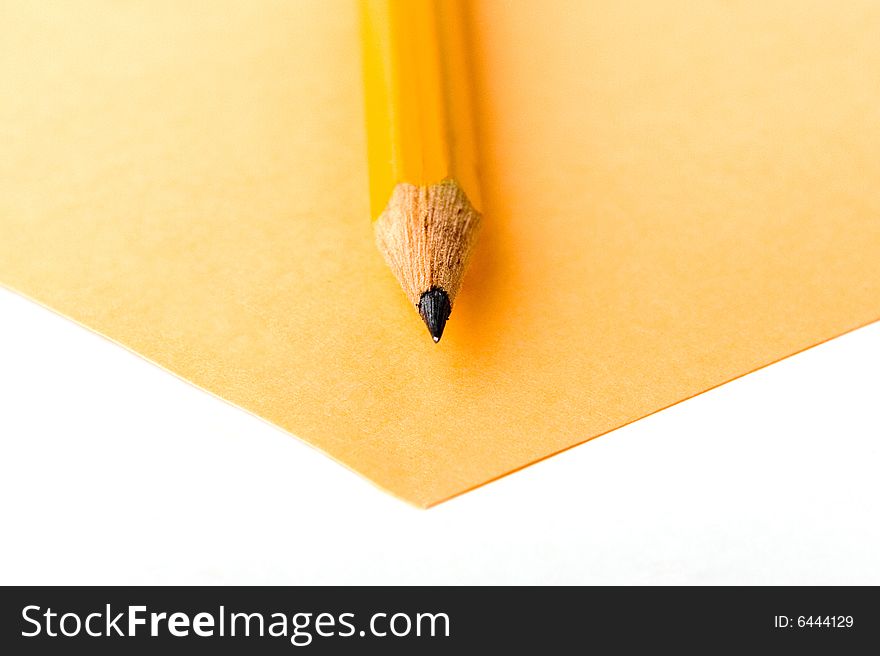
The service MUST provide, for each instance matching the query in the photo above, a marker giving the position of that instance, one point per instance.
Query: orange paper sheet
(676, 193)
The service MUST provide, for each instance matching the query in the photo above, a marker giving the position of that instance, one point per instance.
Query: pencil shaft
(418, 97)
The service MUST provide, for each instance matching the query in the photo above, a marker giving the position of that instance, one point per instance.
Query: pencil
(424, 191)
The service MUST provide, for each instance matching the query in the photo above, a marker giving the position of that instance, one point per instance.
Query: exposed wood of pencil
(423, 184)
(426, 234)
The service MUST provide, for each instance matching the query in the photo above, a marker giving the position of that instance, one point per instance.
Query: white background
(112, 471)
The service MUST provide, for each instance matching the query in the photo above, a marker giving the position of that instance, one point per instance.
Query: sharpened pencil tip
(435, 308)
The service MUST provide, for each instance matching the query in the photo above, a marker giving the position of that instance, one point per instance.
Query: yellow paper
(675, 193)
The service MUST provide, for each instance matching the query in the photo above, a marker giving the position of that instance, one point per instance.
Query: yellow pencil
(424, 192)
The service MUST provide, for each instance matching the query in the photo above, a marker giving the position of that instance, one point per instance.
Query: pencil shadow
(476, 302)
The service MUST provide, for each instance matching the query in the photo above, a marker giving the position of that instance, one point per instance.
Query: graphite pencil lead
(435, 308)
